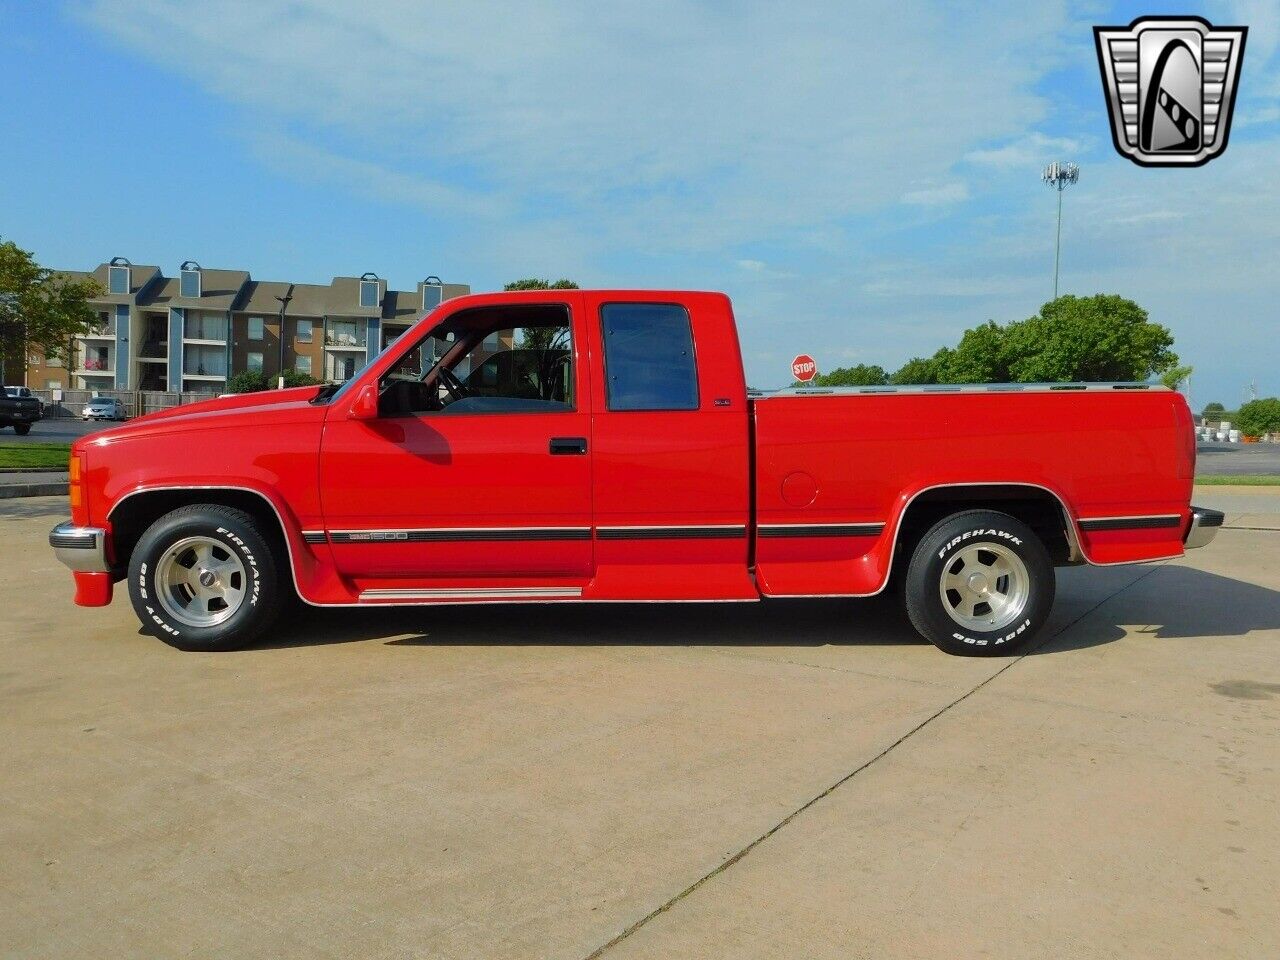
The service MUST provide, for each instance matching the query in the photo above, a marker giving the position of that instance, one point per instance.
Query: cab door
(670, 449)
(489, 498)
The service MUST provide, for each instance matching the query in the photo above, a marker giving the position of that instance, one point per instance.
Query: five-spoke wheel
(980, 582)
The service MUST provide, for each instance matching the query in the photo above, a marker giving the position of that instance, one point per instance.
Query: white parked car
(103, 408)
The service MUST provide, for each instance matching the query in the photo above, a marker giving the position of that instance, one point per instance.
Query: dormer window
(118, 279)
(369, 290)
(432, 294)
(189, 279)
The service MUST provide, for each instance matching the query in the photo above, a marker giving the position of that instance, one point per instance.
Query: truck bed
(836, 468)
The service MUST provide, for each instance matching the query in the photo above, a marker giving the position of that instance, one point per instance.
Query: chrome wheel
(200, 581)
(985, 586)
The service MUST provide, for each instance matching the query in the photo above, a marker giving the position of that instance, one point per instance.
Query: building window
(255, 328)
(432, 296)
(53, 384)
(648, 357)
(190, 283)
(368, 293)
(205, 326)
(118, 279)
(304, 331)
(254, 362)
(303, 364)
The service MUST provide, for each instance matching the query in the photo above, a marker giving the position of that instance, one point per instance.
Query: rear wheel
(203, 578)
(980, 583)
(22, 429)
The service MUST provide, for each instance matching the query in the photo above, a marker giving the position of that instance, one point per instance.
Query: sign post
(804, 368)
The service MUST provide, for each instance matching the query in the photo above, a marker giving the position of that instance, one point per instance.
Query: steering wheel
(455, 387)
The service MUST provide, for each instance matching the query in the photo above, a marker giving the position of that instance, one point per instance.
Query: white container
(1234, 436)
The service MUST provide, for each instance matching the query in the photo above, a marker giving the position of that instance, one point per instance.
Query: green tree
(248, 381)
(982, 356)
(40, 311)
(533, 283)
(1213, 411)
(1093, 339)
(921, 370)
(1174, 377)
(1259, 416)
(860, 375)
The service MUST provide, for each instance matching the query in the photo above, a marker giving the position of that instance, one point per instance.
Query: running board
(474, 593)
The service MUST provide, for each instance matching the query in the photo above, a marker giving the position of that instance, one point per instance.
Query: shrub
(292, 378)
(250, 381)
(1259, 416)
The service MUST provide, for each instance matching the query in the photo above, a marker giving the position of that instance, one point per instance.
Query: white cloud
(1029, 151)
(681, 127)
(938, 195)
(682, 143)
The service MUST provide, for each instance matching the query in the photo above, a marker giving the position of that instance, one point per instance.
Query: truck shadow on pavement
(1171, 603)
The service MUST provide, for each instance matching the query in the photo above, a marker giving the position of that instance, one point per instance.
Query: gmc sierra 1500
(572, 445)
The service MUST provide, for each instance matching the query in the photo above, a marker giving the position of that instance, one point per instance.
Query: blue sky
(863, 179)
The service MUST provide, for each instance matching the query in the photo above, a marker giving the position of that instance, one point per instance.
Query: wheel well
(131, 518)
(1037, 508)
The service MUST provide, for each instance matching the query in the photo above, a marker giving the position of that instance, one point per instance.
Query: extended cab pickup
(19, 408)
(572, 445)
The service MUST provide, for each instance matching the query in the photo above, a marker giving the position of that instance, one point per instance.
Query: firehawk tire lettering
(239, 532)
(929, 597)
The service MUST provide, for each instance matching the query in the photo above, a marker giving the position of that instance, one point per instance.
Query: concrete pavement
(799, 779)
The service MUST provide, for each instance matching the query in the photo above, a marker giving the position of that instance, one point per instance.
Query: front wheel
(203, 578)
(980, 583)
(22, 429)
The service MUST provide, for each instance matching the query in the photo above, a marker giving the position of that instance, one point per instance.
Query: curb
(11, 490)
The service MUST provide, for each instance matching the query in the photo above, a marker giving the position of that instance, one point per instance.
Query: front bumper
(83, 549)
(1205, 524)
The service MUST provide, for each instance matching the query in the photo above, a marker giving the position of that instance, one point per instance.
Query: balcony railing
(154, 350)
(100, 330)
(94, 365)
(348, 340)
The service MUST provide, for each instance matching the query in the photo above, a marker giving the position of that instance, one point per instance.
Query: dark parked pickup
(18, 409)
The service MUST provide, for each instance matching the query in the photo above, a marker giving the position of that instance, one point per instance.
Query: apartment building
(193, 331)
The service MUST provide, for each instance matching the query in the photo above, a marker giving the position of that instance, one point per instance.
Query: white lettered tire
(980, 583)
(203, 577)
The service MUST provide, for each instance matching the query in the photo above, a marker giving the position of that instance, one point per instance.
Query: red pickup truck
(603, 446)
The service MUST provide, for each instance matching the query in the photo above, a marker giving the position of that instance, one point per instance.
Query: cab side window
(468, 365)
(648, 357)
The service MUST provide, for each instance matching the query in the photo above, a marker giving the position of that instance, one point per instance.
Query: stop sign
(804, 368)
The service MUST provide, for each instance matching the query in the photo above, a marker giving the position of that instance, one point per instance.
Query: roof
(235, 290)
(139, 276)
(259, 296)
(345, 298)
(309, 300)
(219, 290)
(160, 294)
(402, 306)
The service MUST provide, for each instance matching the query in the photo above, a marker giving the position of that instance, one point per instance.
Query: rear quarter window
(648, 357)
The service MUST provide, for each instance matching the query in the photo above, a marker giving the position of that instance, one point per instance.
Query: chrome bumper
(83, 549)
(1205, 524)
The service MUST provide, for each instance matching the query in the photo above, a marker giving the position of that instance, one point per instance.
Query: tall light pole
(1059, 176)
